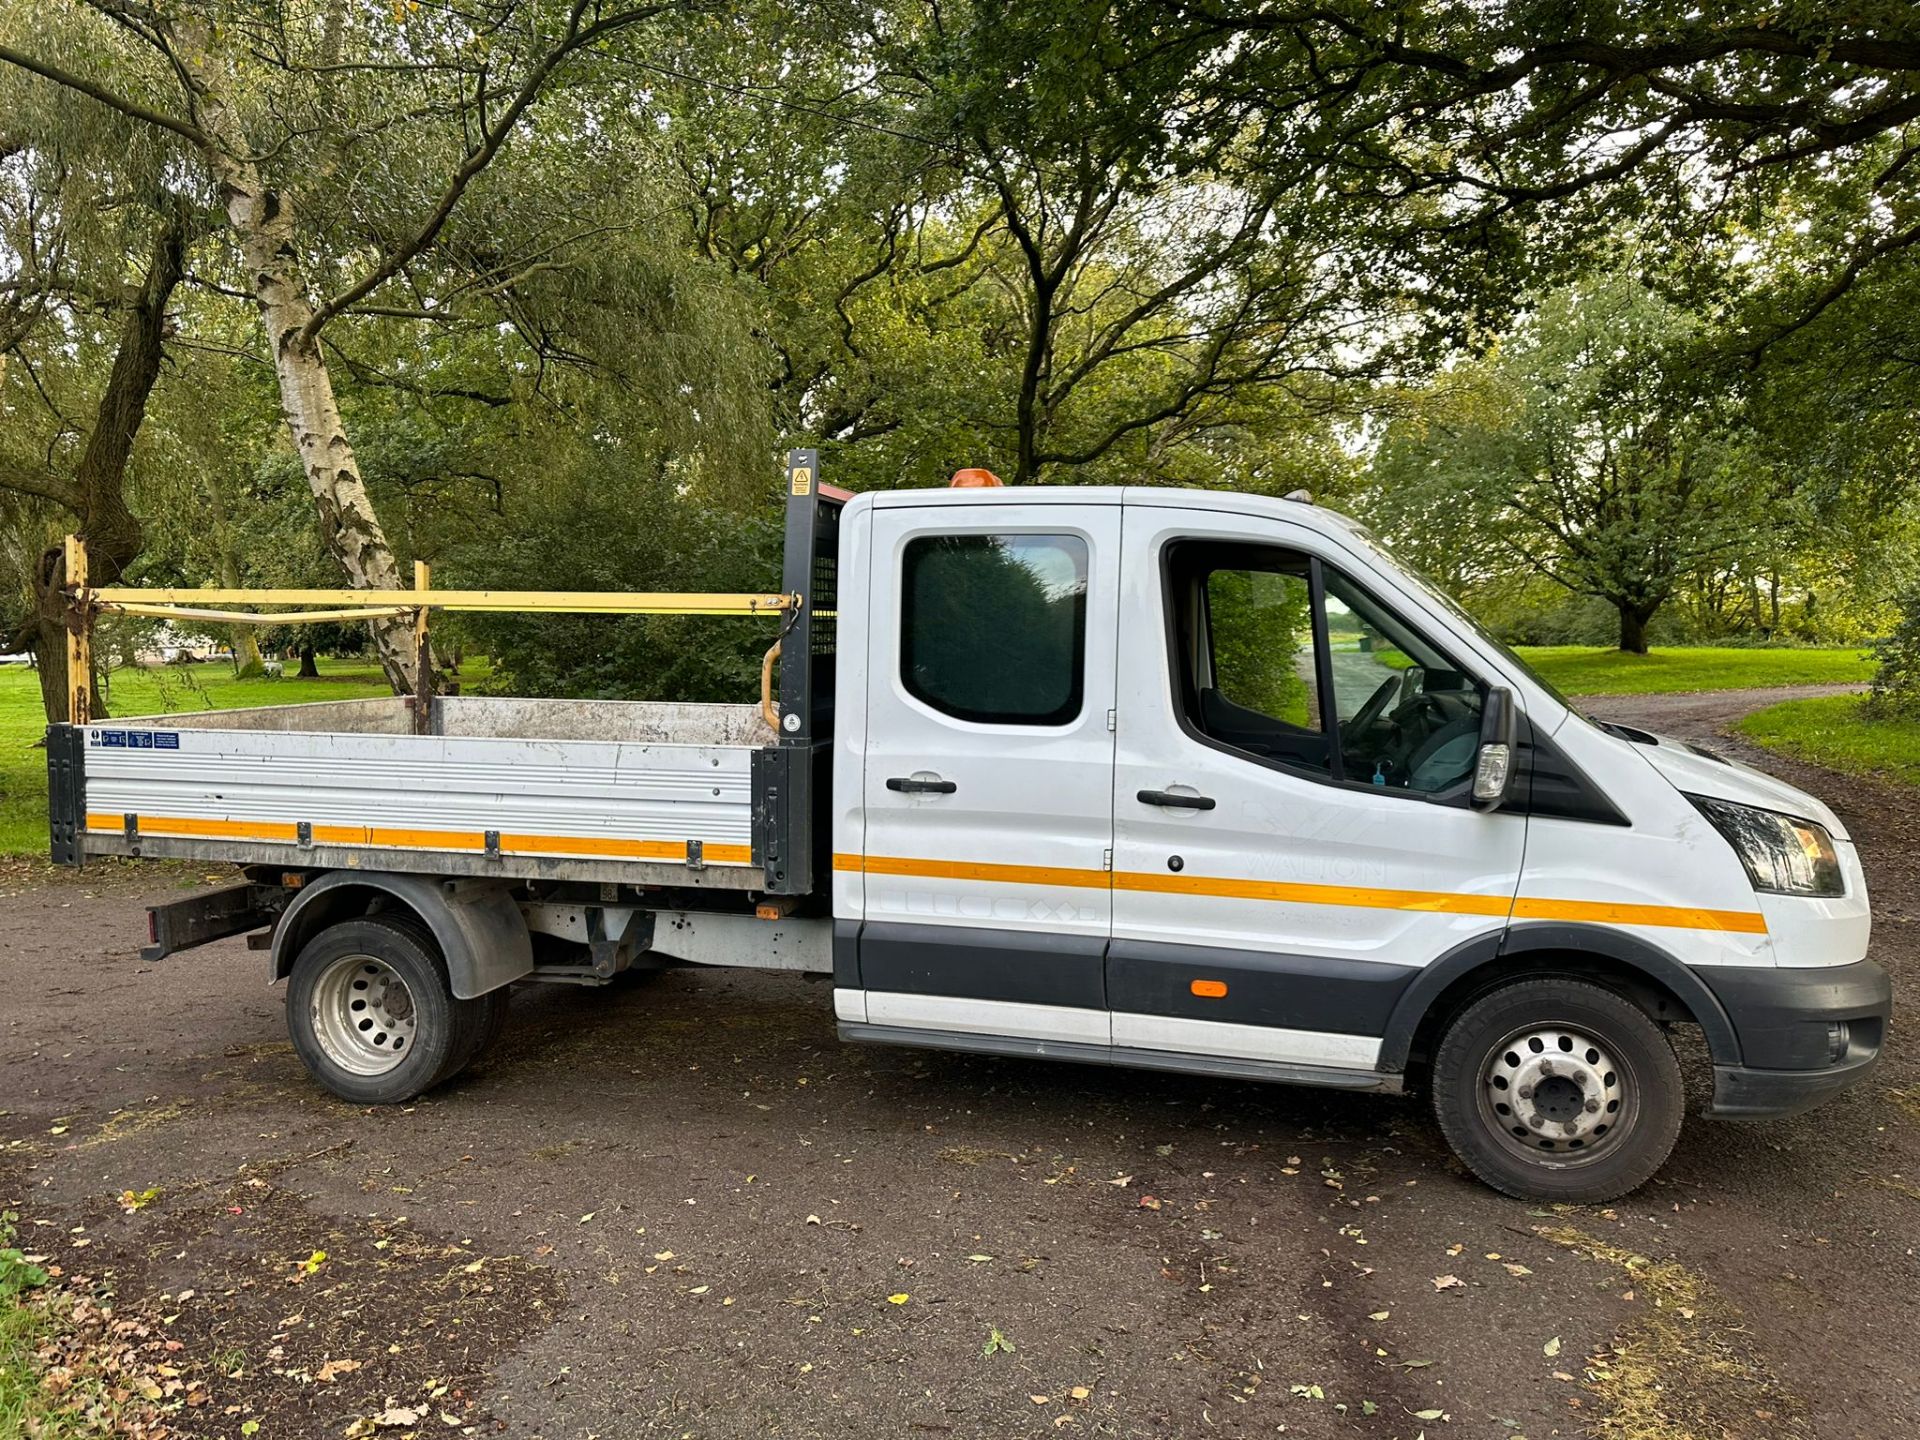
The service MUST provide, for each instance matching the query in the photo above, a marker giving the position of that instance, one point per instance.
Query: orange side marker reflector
(1209, 989)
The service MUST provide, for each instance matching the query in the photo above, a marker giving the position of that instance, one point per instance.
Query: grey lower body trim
(1029, 967)
(1271, 1070)
(1291, 992)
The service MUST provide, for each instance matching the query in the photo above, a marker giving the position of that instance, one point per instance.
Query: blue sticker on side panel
(114, 739)
(166, 739)
(140, 739)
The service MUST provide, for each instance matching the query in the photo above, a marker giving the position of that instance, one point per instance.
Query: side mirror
(1493, 768)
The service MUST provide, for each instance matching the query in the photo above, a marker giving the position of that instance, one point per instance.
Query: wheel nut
(1546, 1067)
(1536, 1122)
(1593, 1107)
(1525, 1092)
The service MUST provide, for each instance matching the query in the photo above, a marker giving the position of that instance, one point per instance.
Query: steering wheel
(1364, 718)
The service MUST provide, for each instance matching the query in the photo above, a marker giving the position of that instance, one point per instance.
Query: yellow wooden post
(422, 656)
(79, 636)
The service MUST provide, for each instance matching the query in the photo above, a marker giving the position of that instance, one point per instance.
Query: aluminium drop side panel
(447, 804)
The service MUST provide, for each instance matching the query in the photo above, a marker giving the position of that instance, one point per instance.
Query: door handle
(909, 785)
(1172, 801)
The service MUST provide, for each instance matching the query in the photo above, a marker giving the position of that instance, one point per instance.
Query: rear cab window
(993, 628)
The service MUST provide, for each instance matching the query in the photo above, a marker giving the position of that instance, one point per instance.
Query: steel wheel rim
(1557, 1095)
(363, 1015)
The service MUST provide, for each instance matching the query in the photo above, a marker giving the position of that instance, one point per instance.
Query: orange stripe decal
(974, 870)
(1289, 892)
(1607, 912)
(1286, 892)
(474, 841)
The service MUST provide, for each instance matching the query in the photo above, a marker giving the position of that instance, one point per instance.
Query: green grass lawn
(163, 690)
(1830, 730)
(1587, 670)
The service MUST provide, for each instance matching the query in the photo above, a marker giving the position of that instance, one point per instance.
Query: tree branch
(576, 37)
(132, 109)
(24, 479)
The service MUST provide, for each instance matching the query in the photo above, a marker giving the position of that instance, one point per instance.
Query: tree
(1530, 132)
(287, 107)
(1589, 448)
(98, 244)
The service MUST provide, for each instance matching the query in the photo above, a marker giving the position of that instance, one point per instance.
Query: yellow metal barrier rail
(208, 606)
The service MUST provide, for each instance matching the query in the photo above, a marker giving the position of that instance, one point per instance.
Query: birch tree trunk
(262, 220)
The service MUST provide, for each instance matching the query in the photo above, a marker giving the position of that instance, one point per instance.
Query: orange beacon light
(974, 479)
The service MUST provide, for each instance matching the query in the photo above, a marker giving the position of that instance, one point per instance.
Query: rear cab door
(986, 768)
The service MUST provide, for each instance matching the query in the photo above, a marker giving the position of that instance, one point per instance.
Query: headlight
(1783, 855)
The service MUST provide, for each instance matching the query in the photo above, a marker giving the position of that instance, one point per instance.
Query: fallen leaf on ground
(1448, 1282)
(899, 1299)
(1551, 1348)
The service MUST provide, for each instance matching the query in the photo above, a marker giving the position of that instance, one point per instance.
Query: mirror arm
(1494, 763)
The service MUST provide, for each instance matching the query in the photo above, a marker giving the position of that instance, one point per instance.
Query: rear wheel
(371, 1013)
(1558, 1089)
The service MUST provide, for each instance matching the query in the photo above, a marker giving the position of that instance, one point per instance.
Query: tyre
(493, 1018)
(372, 1016)
(1558, 1089)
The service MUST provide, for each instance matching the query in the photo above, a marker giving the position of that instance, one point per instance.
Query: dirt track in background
(680, 1207)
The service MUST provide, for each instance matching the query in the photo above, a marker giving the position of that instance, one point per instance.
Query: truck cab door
(987, 779)
(1293, 833)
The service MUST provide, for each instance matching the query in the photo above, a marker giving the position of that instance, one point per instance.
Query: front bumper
(1805, 1034)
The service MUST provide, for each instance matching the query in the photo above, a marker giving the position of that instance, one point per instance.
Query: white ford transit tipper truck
(1175, 779)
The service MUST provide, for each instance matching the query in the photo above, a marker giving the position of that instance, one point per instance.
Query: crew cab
(1182, 780)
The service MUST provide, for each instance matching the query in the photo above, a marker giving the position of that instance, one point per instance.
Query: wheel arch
(480, 931)
(1663, 985)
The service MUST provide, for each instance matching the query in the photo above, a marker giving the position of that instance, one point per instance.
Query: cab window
(993, 628)
(1292, 664)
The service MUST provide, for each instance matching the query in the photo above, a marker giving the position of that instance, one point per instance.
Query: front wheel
(371, 1013)
(1558, 1089)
